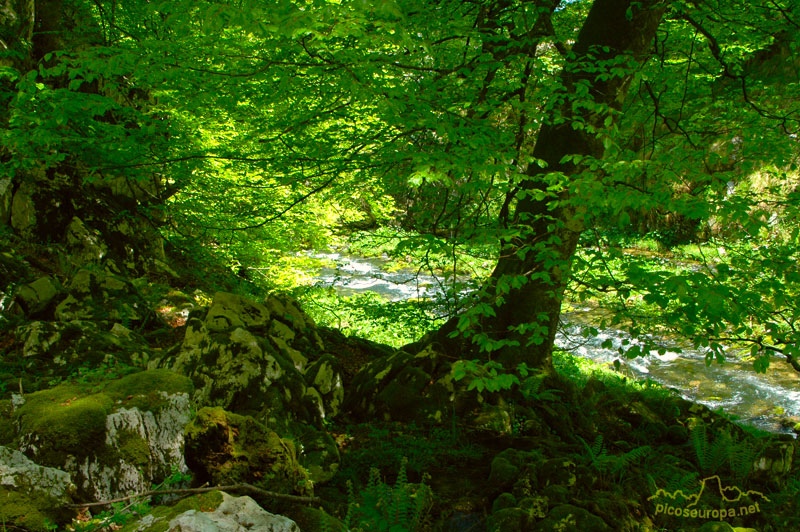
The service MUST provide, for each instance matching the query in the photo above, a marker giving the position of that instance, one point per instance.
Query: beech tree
(527, 124)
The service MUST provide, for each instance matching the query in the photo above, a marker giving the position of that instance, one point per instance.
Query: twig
(232, 487)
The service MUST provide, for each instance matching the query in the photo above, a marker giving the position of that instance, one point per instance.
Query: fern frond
(699, 439)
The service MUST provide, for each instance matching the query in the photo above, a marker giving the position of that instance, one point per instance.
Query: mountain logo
(729, 494)
(679, 503)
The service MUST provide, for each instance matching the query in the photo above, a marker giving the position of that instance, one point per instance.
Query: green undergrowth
(380, 445)
(370, 316)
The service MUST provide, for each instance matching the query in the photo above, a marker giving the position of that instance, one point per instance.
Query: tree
(522, 123)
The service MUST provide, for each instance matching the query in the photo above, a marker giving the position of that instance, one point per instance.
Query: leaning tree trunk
(541, 256)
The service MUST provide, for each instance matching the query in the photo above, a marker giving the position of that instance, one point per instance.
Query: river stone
(235, 514)
(30, 494)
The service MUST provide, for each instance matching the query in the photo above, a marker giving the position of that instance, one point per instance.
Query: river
(761, 400)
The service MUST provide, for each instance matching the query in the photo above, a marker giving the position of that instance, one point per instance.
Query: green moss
(7, 429)
(204, 502)
(143, 390)
(19, 511)
(147, 383)
(207, 417)
(63, 421)
(224, 448)
(133, 448)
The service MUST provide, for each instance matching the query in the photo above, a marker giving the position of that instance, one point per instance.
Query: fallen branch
(232, 487)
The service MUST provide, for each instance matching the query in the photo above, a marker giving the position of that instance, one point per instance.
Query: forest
(399, 265)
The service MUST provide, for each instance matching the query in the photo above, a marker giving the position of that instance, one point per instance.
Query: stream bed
(761, 400)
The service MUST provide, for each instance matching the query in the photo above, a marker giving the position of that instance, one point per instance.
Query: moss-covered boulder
(112, 442)
(6, 190)
(37, 295)
(569, 518)
(240, 371)
(229, 311)
(32, 496)
(241, 357)
(212, 512)
(225, 448)
(774, 462)
(405, 387)
(57, 349)
(510, 467)
(325, 375)
(101, 294)
(509, 520)
(319, 454)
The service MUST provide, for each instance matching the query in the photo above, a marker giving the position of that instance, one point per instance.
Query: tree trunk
(541, 256)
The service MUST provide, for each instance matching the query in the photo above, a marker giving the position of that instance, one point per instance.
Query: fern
(724, 450)
(383, 508)
(596, 452)
(702, 449)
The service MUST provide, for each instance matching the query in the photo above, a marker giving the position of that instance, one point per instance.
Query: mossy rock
(113, 441)
(240, 371)
(511, 465)
(504, 500)
(404, 387)
(32, 496)
(53, 350)
(569, 518)
(227, 448)
(145, 389)
(503, 473)
(20, 511)
(509, 520)
(325, 375)
(716, 526)
(8, 430)
(320, 456)
(310, 519)
(36, 296)
(62, 422)
(157, 519)
(229, 311)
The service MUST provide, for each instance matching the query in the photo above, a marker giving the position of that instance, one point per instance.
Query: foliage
(722, 452)
(492, 377)
(270, 128)
(614, 466)
(122, 513)
(368, 315)
(380, 507)
(420, 447)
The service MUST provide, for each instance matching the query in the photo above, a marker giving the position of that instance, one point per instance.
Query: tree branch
(231, 487)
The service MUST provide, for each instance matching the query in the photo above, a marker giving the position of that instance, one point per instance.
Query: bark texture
(549, 233)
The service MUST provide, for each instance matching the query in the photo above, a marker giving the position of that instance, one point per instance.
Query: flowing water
(761, 400)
